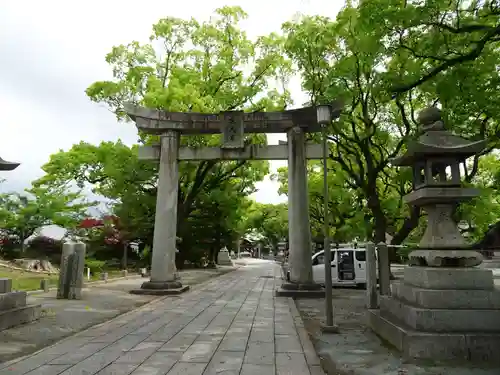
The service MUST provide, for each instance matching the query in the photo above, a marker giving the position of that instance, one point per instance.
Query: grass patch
(31, 281)
(27, 280)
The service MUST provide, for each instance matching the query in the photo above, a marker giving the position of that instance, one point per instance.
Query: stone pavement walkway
(232, 325)
(63, 318)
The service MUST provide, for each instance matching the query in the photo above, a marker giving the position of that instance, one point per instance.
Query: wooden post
(384, 269)
(371, 277)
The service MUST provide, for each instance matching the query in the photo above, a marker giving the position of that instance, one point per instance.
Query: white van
(348, 267)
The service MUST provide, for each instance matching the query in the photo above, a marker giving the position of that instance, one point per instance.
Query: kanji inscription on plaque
(232, 128)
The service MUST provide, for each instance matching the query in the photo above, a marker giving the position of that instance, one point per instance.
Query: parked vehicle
(348, 267)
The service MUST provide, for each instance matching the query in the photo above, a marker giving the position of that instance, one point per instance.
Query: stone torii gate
(233, 126)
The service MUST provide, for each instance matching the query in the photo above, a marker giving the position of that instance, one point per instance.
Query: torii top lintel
(154, 121)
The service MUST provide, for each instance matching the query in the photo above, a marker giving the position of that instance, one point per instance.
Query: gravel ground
(100, 303)
(356, 350)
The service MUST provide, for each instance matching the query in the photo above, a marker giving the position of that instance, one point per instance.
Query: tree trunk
(409, 224)
(125, 256)
(211, 257)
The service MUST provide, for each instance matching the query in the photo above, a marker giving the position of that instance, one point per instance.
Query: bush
(95, 265)
(45, 245)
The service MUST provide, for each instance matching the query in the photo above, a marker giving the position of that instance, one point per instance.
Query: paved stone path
(232, 325)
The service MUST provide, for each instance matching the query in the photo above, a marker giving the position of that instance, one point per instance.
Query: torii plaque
(232, 126)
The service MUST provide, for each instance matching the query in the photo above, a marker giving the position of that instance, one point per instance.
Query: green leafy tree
(345, 209)
(359, 58)
(269, 221)
(22, 215)
(204, 67)
(437, 35)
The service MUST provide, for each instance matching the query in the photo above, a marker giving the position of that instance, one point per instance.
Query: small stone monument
(223, 259)
(71, 271)
(445, 308)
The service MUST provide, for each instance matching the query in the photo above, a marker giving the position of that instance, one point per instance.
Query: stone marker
(77, 271)
(371, 277)
(223, 258)
(71, 270)
(64, 269)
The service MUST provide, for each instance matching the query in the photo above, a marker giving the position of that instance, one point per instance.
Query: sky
(51, 51)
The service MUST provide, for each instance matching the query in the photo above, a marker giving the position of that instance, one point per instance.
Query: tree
(346, 212)
(357, 58)
(438, 35)
(204, 67)
(23, 215)
(477, 216)
(269, 221)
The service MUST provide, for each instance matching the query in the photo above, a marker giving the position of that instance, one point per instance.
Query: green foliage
(269, 221)
(188, 65)
(22, 215)
(95, 265)
(387, 59)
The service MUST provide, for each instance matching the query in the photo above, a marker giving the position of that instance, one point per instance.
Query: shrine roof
(7, 165)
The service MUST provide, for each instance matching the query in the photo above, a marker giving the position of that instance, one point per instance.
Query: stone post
(384, 269)
(5, 285)
(300, 253)
(164, 278)
(65, 270)
(371, 277)
(77, 265)
(44, 285)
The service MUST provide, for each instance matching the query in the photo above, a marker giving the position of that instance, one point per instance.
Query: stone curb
(120, 316)
(328, 364)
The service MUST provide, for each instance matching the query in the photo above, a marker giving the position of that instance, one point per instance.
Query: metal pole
(328, 254)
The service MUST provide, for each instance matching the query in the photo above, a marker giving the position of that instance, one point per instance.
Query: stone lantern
(436, 157)
(445, 308)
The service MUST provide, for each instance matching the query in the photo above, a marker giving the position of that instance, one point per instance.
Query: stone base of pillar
(297, 291)
(161, 288)
(444, 314)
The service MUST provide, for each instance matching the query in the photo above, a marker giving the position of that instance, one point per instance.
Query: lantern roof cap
(7, 165)
(436, 142)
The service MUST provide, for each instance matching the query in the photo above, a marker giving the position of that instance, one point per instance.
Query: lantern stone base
(161, 288)
(441, 314)
(14, 310)
(297, 290)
